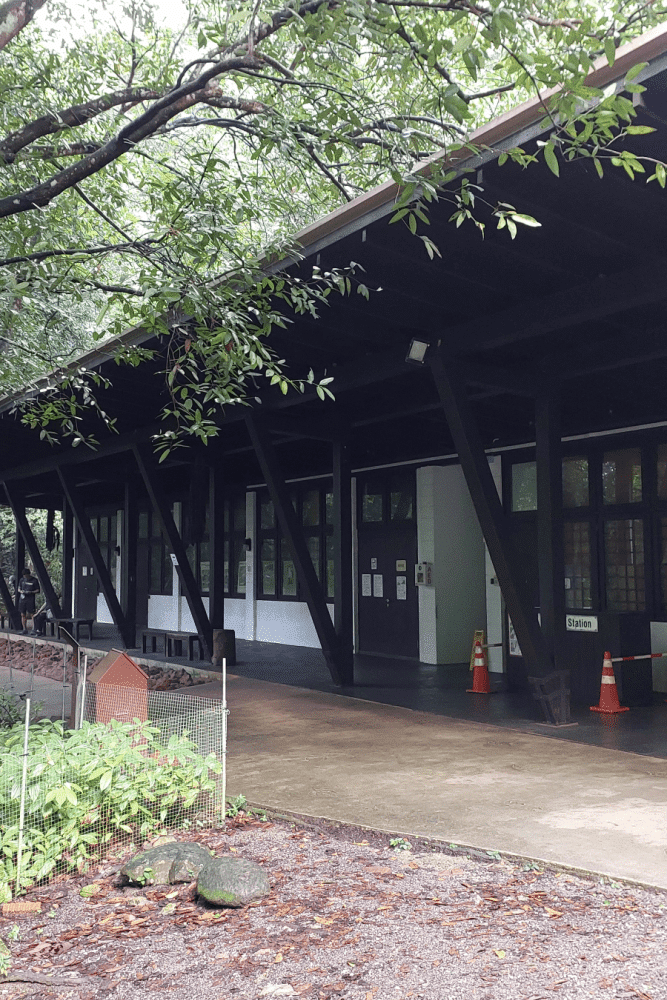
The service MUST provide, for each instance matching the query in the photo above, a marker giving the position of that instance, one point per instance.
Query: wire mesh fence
(140, 763)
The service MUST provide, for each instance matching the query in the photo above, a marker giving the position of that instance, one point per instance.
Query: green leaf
(635, 71)
(610, 50)
(551, 158)
(525, 220)
(598, 167)
(639, 129)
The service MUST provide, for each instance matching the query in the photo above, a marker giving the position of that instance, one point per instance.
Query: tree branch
(14, 16)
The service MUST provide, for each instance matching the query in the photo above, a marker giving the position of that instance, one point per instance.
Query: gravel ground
(348, 917)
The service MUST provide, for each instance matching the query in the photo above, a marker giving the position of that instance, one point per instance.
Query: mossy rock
(174, 862)
(232, 882)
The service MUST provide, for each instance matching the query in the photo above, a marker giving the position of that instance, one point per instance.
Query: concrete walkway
(464, 782)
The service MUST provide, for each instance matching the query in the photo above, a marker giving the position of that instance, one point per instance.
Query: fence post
(224, 739)
(24, 779)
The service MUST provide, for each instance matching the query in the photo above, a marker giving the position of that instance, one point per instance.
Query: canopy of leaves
(150, 167)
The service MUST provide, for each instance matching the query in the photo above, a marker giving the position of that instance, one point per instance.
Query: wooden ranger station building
(500, 419)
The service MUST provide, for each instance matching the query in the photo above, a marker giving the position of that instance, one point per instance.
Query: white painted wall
(103, 614)
(288, 622)
(163, 612)
(449, 536)
(659, 645)
(495, 608)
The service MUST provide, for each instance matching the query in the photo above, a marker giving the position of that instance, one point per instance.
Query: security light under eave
(417, 351)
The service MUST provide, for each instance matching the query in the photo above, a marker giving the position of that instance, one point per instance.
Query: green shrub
(89, 786)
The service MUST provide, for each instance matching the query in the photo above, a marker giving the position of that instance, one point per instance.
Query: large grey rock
(175, 862)
(232, 882)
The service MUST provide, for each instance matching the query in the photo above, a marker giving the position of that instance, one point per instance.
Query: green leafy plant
(235, 806)
(399, 844)
(87, 787)
(5, 959)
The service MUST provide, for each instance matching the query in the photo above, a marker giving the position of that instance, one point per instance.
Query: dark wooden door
(388, 600)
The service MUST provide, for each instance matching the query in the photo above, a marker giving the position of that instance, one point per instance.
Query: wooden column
(128, 556)
(343, 616)
(551, 563)
(216, 548)
(67, 542)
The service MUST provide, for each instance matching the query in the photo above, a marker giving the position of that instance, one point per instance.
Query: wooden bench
(174, 643)
(72, 625)
(150, 636)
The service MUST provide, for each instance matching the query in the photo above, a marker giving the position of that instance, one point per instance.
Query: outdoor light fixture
(417, 351)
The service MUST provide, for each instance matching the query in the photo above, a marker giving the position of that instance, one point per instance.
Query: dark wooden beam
(342, 540)
(18, 509)
(162, 508)
(8, 601)
(82, 521)
(568, 307)
(19, 554)
(484, 495)
(311, 587)
(520, 381)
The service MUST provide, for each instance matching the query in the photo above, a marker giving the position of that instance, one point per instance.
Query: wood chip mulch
(348, 917)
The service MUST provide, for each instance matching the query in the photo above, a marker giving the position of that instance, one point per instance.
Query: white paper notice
(401, 588)
(365, 584)
(377, 585)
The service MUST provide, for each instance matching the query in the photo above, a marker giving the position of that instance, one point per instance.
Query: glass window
(371, 504)
(143, 524)
(577, 545)
(239, 515)
(622, 476)
(524, 486)
(226, 518)
(155, 571)
(155, 527)
(167, 571)
(624, 564)
(268, 561)
(311, 509)
(267, 515)
(330, 567)
(239, 566)
(662, 471)
(401, 505)
(226, 567)
(575, 482)
(93, 526)
(313, 543)
(113, 530)
(288, 571)
(204, 567)
(329, 502)
(104, 530)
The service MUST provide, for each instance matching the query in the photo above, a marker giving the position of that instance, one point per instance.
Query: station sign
(581, 623)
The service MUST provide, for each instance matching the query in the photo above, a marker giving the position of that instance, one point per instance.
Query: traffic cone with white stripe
(480, 677)
(609, 703)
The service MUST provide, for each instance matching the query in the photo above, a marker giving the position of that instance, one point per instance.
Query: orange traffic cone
(609, 703)
(480, 677)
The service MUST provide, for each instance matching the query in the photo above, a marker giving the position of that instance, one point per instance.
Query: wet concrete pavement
(463, 782)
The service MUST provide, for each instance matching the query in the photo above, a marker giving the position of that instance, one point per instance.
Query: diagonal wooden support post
(455, 403)
(83, 524)
(8, 601)
(18, 509)
(162, 508)
(293, 531)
